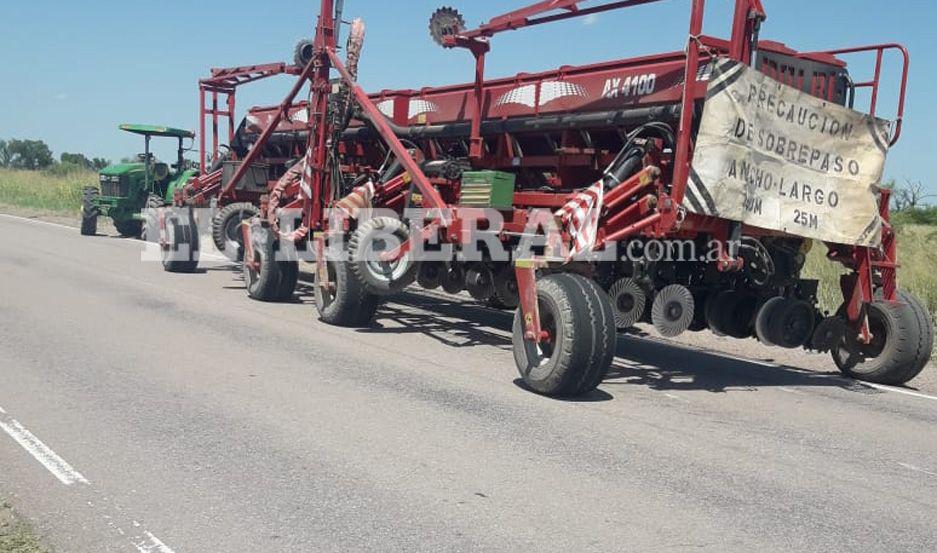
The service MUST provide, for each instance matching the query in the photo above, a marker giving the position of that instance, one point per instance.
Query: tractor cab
(125, 190)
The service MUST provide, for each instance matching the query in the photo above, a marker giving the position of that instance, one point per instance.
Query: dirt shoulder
(17, 536)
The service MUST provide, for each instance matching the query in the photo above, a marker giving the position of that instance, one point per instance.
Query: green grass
(15, 535)
(918, 272)
(52, 190)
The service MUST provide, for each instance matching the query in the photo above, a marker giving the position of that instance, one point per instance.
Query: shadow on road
(460, 323)
(453, 322)
(662, 366)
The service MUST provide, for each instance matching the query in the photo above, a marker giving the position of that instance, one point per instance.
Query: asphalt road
(150, 412)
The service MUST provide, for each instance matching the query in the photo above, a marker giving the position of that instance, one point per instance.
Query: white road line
(42, 453)
(917, 469)
(144, 542)
(898, 390)
(151, 544)
(676, 397)
(36, 221)
(208, 256)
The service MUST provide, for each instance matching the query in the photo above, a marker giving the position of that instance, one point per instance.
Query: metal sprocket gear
(445, 22)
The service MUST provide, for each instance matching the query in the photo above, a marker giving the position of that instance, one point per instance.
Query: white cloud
(591, 19)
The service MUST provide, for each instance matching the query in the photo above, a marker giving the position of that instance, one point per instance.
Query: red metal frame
(225, 82)
(656, 213)
(879, 50)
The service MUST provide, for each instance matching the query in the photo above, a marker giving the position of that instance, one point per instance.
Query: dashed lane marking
(41, 452)
(141, 539)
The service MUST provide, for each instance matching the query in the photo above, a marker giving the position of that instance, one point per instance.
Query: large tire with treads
(902, 343)
(365, 245)
(579, 316)
(89, 211)
(266, 278)
(226, 228)
(128, 228)
(347, 302)
(154, 203)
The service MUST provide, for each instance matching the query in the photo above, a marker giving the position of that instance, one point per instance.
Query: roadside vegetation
(918, 272)
(31, 177)
(16, 536)
(55, 189)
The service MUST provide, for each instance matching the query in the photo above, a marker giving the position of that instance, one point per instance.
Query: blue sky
(70, 72)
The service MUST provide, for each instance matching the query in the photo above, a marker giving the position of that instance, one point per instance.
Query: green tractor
(125, 190)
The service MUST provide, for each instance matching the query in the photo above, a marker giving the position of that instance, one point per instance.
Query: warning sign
(774, 157)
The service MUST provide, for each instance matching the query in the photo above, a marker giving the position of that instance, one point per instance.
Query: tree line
(911, 203)
(34, 155)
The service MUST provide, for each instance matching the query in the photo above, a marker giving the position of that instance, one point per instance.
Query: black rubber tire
(128, 228)
(714, 313)
(89, 211)
(479, 282)
(429, 275)
(303, 52)
(183, 254)
(383, 279)
(600, 307)
(264, 282)
(736, 316)
(505, 294)
(701, 299)
(453, 280)
(763, 324)
(926, 322)
(579, 315)
(154, 203)
(897, 357)
(782, 333)
(349, 304)
(226, 228)
(289, 276)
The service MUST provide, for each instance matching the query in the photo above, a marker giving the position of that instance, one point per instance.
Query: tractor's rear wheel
(128, 228)
(901, 346)
(226, 228)
(344, 301)
(579, 344)
(89, 211)
(182, 254)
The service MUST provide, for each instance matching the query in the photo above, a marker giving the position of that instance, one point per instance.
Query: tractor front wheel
(901, 346)
(578, 342)
(89, 211)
